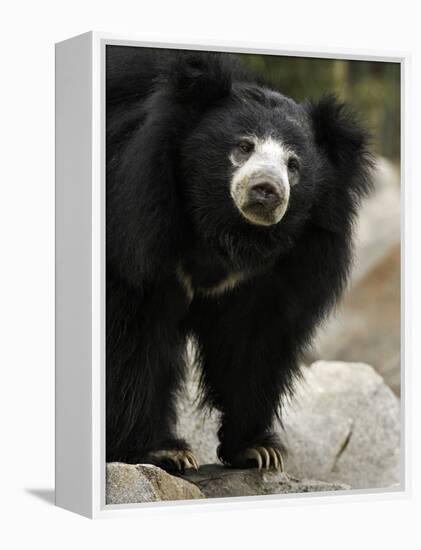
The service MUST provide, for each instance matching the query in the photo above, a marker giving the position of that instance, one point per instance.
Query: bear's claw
(265, 457)
(177, 459)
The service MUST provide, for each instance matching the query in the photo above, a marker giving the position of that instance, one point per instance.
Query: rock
(342, 426)
(145, 483)
(128, 483)
(216, 481)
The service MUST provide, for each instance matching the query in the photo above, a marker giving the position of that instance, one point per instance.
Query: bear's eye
(293, 165)
(246, 147)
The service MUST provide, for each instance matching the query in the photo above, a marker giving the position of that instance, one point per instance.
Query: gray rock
(128, 483)
(216, 481)
(343, 426)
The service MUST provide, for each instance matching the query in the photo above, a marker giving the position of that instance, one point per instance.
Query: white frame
(80, 276)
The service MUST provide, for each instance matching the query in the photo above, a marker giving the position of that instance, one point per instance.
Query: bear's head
(249, 172)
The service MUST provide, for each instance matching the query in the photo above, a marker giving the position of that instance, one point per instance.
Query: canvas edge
(73, 252)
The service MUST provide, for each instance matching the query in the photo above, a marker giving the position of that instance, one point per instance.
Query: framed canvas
(229, 258)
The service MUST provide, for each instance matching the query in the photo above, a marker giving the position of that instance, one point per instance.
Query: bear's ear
(344, 141)
(197, 78)
(337, 131)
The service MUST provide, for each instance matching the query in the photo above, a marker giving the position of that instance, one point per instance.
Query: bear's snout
(261, 198)
(260, 184)
(265, 194)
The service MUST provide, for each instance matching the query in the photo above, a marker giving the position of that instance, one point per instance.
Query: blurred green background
(371, 88)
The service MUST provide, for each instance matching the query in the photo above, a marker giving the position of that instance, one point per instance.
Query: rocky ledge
(342, 431)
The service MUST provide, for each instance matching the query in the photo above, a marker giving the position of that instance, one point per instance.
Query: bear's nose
(264, 194)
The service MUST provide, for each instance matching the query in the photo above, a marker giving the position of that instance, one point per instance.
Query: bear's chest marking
(225, 284)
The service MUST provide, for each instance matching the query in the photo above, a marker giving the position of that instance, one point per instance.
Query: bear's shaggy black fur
(183, 261)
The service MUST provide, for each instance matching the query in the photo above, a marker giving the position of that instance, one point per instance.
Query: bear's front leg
(247, 370)
(247, 385)
(249, 345)
(145, 369)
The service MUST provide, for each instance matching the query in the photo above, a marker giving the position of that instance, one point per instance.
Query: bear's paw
(173, 460)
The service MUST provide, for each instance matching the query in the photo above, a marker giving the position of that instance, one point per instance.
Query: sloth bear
(229, 211)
